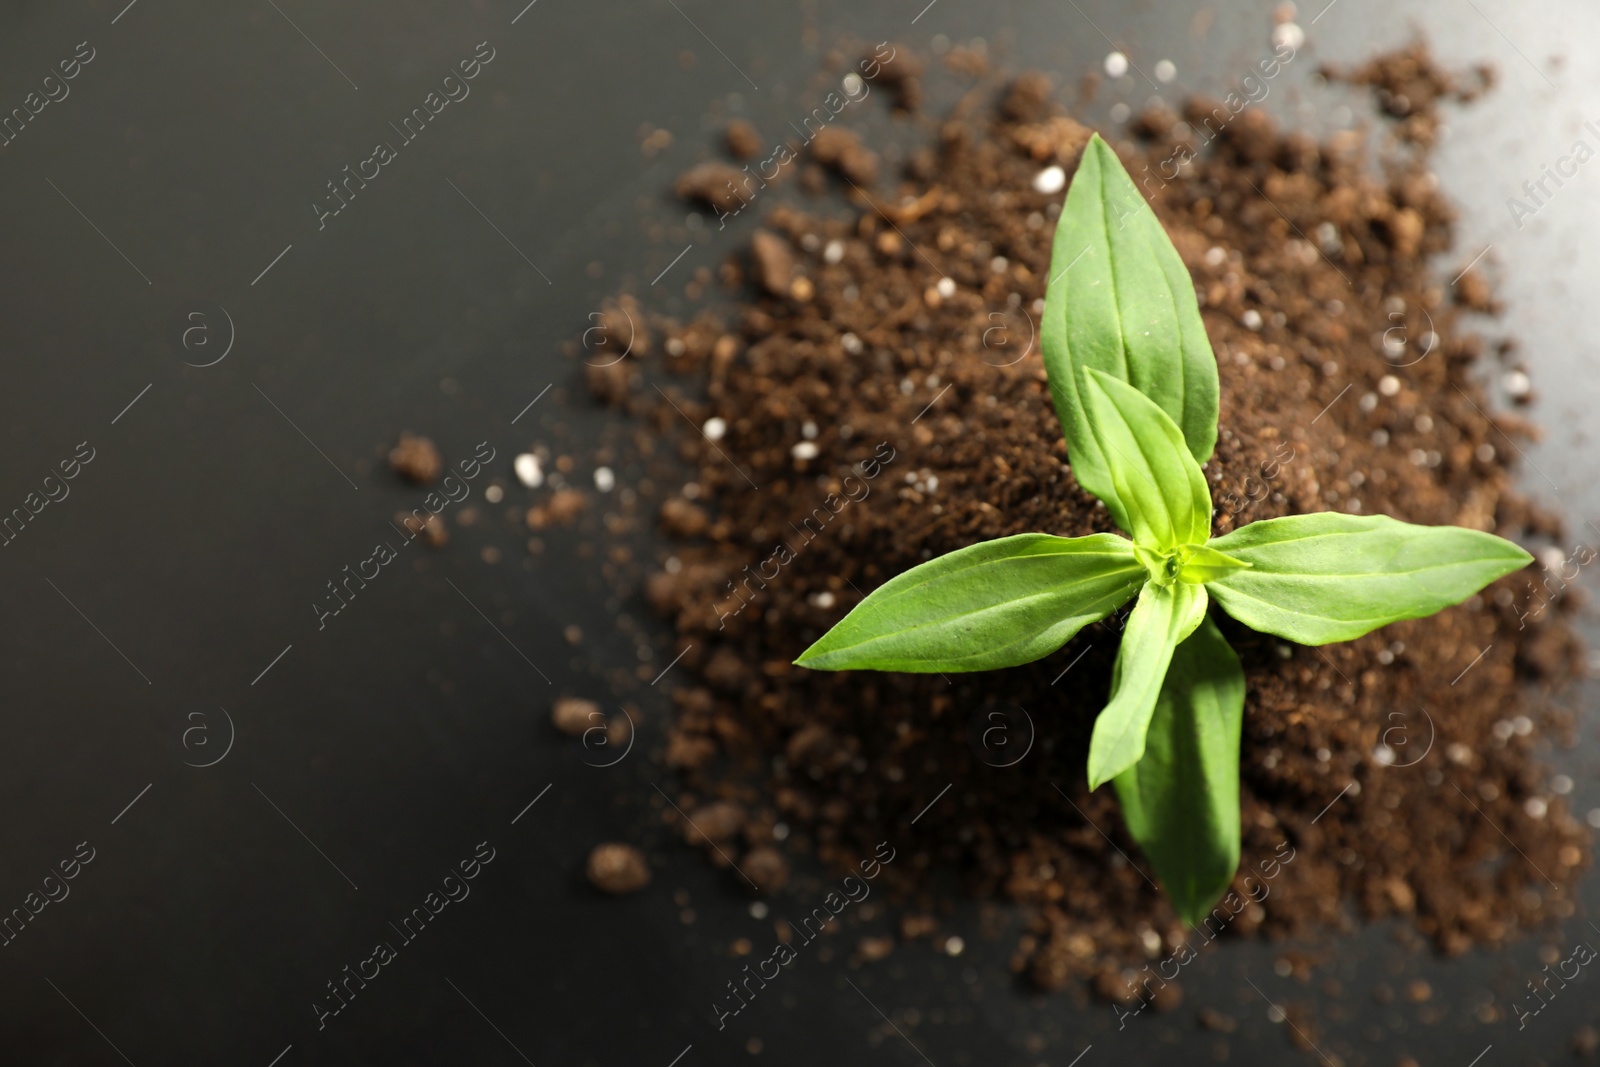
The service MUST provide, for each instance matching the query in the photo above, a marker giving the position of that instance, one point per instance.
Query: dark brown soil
(1408, 85)
(1390, 776)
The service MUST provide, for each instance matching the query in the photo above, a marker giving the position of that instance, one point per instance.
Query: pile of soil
(888, 345)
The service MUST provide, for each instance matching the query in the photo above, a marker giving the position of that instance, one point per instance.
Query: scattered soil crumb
(435, 534)
(766, 868)
(563, 507)
(873, 949)
(742, 140)
(773, 262)
(1409, 84)
(713, 823)
(1585, 1041)
(841, 151)
(901, 74)
(574, 715)
(618, 869)
(610, 383)
(1474, 294)
(416, 459)
(713, 184)
(1028, 98)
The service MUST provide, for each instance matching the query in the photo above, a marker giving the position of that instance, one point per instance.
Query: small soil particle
(610, 382)
(563, 507)
(841, 151)
(1167, 997)
(1474, 294)
(872, 949)
(767, 868)
(1585, 1041)
(416, 459)
(1028, 98)
(716, 822)
(742, 139)
(901, 74)
(573, 715)
(619, 330)
(618, 869)
(431, 527)
(773, 262)
(1112, 987)
(683, 519)
(713, 184)
(618, 731)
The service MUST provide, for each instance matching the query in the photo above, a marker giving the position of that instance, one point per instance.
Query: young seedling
(1134, 382)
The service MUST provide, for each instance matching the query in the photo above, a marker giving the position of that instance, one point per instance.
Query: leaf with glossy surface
(1121, 301)
(1164, 497)
(1159, 622)
(995, 604)
(1314, 579)
(1181, 800)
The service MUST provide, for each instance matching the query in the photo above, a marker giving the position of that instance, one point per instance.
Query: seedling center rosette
(1134, 382)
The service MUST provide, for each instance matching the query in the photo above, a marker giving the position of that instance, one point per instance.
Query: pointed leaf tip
(1181, 800)
(1159, 622)
(995, 604)
(1326, 577)
(1120, 300)
(1164, 497)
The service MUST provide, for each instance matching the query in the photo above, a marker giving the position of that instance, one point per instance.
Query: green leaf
(1121, 301)
(990, 605)
(1328, 577)
(1202, 563)
(1181, 800)
(1159, 622)
(1163, 494)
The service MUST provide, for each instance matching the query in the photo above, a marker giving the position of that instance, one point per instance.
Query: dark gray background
(185, 160)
